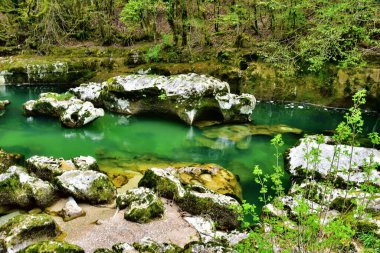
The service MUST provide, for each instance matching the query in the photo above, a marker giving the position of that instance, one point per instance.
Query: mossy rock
(164, 182)
(193, 247)
(18, 188)
(103, 250)
(9, 159)
(142, 205)
(52, 247)
(25, 229)
(150, 246)
(198, 200)
(122, 248)
(48, 168)
(90, 186)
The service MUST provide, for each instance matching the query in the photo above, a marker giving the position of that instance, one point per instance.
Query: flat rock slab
(102, 227)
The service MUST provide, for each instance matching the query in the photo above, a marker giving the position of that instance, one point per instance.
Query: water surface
(129, 141)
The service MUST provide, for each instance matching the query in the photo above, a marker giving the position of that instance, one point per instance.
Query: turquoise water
(139, 140)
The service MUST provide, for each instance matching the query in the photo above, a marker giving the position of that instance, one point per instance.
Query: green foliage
(370, 241)
(153, 54)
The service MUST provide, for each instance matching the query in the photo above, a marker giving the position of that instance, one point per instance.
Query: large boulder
(18, 188)
(24, 229)
(9, 159)
(190, 97)
(71, 111)
(142, 205)
(329, 166)
(194, 199)
(52, 247)
(91, 186)
(49, 167)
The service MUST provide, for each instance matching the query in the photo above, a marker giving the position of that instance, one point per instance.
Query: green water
(137, 140)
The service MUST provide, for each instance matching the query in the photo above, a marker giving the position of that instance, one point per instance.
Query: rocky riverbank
(70, 201)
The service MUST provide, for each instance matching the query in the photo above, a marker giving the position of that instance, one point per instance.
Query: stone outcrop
(141, 204)
(90, 186)
(23, 230)
(194, 199)
(190, 97)
(72, 112)
(18, 188)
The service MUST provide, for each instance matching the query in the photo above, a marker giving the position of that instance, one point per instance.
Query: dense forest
(293, 35)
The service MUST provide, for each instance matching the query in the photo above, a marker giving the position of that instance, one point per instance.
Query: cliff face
(244, 72)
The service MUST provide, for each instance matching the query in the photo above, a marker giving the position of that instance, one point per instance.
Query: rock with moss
(350, 170)
(209, 247)
(90, 186)
(165, 182)
(72, 112)
(222, 209)
(212, 177)
(3, 104)
(9, 159)
(122, 248)
(103, 250)
(25, 229)
(149, 245)
(18, 188)
(52, 247)
(142, 205)
(190, 97)
(48, 168)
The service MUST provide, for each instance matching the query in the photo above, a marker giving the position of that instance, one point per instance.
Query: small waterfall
(191, 114)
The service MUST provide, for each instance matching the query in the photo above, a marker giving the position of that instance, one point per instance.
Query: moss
(52, 247)
(103, 250)
(154, 247)
(102, 190)
(366, 226)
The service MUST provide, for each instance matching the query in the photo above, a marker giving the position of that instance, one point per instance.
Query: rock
(149, 245)
(210, 247)
(9, 159)
(207, 232)
(91, 186)
(238, 133)
(78, 115)
(103, 250)
(122, 248)
(190, 97)
(198, 200)
(52, 247)
(142, 205)
(72, 112)
(4, 103)
(71, 210)
(296, 163)
(18, 188)
(212, 177)
(165, 182)
(85, 163)
(25, 229)
(195, 199)
(48, 168)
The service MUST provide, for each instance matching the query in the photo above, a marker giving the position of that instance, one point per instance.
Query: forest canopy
(297, 34)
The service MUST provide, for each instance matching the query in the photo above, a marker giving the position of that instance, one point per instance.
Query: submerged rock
(52, 247)
(9, 159)
(149, 245)
(190, 97)
(48, 168)
(142, 205)
(4, 103)
(18, 188)
(212, 177)
(25, 229)
(91, 186)
(72, 112)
